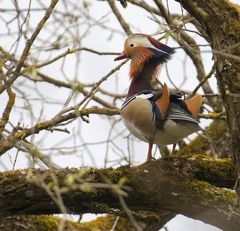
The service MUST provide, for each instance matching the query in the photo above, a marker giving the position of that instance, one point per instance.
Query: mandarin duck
(155, 116)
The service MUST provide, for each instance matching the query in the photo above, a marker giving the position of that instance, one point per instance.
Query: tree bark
(160, 189)
(52, 223)
(219, 19)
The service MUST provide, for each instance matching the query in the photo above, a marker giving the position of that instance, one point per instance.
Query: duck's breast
(137, 115)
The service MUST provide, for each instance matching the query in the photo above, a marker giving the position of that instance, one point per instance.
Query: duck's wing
(178, 108)
(179, 112)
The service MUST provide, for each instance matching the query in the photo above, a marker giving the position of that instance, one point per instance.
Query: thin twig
(29, 44)
(219, 115)
(129, 214)
(72, 51)
(120, 18)
(200, 84)
(13, 138)
(8, 109)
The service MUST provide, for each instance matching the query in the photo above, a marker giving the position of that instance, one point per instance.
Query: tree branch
(16, 136)
(119, 17)
(53, 223)
(177, 189)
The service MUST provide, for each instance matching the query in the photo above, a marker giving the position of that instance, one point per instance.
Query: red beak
(121, 56)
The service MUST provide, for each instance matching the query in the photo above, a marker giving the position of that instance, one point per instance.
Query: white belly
(173, 132)
(136, 131)
(138, 119)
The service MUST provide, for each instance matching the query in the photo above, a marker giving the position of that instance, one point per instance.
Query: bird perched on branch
(155, 116)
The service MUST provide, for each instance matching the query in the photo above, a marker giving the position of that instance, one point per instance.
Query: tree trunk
(220, 20)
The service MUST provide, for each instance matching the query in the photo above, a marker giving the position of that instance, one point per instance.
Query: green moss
(106, 223)
(233, 22)
(235, 27)
(46, 223)
(210, 195)
(234, 7)
(33, 223)
(215, 171)
(52, 223)
(117, 174)
(42, 125)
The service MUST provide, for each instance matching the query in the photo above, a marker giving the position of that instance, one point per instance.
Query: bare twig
(8, 109)
(186, 41)
(209, 75)
(129, 214)
(13, 138)
(72, 51)
(29, 44)
(121, 20)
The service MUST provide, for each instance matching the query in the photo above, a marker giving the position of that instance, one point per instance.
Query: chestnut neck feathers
(141, 80)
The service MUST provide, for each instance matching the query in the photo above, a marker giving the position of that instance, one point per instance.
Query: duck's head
(141, 48)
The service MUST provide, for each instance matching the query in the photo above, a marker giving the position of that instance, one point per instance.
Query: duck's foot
(173, 150)
(148, 161)
(149, 154)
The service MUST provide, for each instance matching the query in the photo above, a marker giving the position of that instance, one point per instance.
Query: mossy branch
(178, 188)
(52, 223)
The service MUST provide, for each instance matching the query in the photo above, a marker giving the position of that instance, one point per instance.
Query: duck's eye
(131, 45)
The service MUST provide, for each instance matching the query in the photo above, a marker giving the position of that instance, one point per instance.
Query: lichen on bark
(52, 223)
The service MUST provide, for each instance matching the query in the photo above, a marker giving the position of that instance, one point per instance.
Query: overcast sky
(91, 69)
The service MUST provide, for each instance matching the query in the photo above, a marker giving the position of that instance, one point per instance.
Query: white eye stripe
(143, 42)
